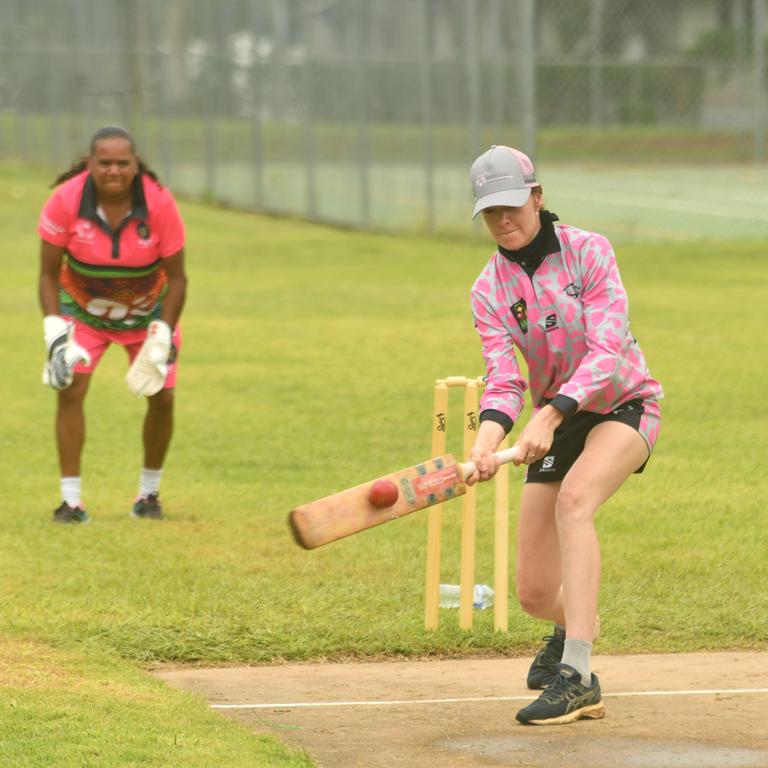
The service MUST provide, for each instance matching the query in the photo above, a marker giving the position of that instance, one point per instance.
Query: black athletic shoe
(148, 507)
(67, 514)
(544, 668)
(565, 700)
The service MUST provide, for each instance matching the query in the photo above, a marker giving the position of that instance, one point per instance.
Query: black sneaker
(67, 514)
(148, 507)
(565, 700)
(544, 668)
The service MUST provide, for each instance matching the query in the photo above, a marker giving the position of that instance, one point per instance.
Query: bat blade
(342, 514)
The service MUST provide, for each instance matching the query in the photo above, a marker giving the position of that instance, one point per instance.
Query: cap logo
(486, 178)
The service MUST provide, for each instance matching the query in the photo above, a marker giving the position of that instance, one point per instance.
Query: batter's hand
(485, 462)
(537, 437)
(63, 352)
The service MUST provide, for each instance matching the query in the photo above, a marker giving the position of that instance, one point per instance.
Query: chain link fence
(369, 112)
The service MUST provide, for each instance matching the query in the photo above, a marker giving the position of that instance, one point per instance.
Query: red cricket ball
(383, 493)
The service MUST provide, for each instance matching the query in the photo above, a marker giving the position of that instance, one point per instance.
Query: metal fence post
(527, 47)
(310, 158)
(257, 100)
(759, 22)
(362, 125)
(426, 113)
(498, 108)
(596, 12)
(473, 77)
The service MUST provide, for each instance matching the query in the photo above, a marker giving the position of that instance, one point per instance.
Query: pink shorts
(96, 341)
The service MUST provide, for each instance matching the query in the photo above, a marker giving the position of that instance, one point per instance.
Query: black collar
(530, 256)
(89, 202)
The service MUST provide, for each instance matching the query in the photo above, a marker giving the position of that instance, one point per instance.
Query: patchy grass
(308, 364)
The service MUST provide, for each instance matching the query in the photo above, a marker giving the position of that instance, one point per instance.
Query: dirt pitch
(672, 711)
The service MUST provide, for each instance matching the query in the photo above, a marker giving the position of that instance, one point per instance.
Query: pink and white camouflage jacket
(570, 321)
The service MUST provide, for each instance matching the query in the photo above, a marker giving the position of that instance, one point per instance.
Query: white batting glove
(147, 373)
(63, 352)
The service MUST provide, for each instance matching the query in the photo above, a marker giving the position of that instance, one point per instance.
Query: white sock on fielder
(149, 481)
(71, 490)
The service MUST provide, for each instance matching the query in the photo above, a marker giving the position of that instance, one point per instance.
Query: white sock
(576, 654)
(71, 490)
(149, 481)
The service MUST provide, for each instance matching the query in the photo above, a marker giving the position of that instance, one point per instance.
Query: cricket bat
(386, 498)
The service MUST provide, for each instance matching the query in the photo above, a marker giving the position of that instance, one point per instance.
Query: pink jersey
(569, 321)
(112, 279)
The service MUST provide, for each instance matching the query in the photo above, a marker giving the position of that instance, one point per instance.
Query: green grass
(64, 708)
(308, 363)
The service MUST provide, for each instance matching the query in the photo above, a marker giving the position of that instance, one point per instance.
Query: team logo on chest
(520, 313)
(84, 231)
(142, 230)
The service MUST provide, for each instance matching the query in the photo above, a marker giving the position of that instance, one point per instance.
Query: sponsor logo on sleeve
(50, 226)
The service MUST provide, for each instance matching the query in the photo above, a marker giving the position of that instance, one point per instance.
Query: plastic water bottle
(482, 597)
(450, 596)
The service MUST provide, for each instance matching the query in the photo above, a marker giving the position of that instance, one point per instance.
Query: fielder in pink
(552, 294)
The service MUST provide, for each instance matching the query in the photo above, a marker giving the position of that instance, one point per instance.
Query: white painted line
(408, 702)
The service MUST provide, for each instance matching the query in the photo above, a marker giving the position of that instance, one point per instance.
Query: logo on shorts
(547, 464)
(520, 311)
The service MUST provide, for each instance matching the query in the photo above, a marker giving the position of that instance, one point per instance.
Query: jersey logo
(520, 311)
(84, 231)
(142, 230)
(572, 290)
(550, 323)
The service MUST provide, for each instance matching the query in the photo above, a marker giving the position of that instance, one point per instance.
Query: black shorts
(571, 435)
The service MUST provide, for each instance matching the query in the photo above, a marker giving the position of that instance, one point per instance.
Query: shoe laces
(562, 688)
(553, 650)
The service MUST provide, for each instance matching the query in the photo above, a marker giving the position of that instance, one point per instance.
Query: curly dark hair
(107, 132)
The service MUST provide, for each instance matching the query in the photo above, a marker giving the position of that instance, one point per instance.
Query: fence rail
(368, 112)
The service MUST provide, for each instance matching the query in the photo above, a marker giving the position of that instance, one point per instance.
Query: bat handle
(504, 457)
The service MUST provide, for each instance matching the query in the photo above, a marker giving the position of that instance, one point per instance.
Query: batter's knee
(534, 600)
(573, 506)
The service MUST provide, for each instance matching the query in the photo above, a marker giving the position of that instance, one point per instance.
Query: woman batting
(553, 293)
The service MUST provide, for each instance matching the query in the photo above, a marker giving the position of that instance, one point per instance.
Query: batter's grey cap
(501, 176)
